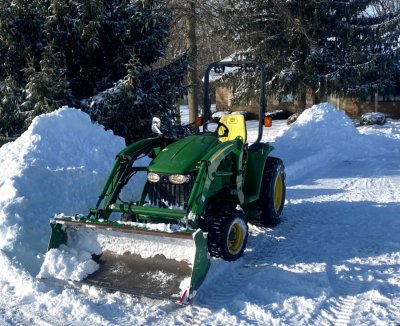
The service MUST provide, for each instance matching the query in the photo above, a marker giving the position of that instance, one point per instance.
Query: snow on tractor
(199, 193)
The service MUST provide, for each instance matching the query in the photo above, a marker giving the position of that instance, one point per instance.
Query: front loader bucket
(145, 262)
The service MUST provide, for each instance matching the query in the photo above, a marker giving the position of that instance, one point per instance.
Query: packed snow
(334, 259)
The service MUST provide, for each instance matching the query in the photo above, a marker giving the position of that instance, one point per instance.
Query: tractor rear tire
(227, 235)
(272, 193)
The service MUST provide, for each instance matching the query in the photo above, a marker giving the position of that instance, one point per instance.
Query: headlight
(153, 177)
(179, 179)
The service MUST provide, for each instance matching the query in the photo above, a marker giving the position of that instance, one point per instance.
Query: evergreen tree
(21, 38)
(58, 52)
(11, 120)
(329, 47)
(128, 107)
(48, 88)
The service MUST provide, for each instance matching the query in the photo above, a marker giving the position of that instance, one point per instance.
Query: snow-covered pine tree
(358, 53)
(11, 119)
(141, 91)
(128, 107)
(20, 41)
(57, 52)
(328, 47)
(47, 87)
(21, 36)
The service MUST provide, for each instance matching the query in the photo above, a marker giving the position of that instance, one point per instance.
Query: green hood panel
(183, 155)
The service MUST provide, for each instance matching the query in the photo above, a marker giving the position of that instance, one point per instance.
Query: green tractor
(197, 194)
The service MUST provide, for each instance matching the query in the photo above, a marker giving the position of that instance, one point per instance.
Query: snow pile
(72, 261)
(57, 165)
(320, 127)
(68, 264)
(320, 134)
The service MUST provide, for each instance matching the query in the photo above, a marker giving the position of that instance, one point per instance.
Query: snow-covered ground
(334, 259)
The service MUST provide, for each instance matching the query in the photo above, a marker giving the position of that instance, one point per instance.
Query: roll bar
(249, 66)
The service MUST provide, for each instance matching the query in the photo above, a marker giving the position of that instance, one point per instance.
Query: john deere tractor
(197, 195)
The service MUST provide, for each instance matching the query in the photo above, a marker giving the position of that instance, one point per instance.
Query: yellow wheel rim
(235, 238)
(278, 193)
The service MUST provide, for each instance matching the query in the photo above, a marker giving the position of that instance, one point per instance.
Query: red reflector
(267, 122)
(198, 121)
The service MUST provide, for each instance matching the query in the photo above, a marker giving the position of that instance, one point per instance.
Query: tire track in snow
(381, 184)
(197, 316)
(348, 281)
(339, 307)
(281, 236)
(370, 189)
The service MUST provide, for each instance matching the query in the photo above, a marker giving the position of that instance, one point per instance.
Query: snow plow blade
(138, 261)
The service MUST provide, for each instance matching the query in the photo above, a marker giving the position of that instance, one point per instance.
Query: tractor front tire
(273, 191)
(227, 236)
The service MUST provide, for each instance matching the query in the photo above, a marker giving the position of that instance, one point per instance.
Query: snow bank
(320, 134)
(57, 165)
(320, 127)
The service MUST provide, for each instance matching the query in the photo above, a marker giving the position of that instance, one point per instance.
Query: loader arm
(122, 167)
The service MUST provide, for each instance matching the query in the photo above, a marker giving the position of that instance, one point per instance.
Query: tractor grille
(165, 194)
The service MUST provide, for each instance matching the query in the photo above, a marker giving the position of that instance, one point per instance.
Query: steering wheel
(219, 125)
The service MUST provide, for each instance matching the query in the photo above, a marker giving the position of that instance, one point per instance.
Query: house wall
(356, 108)
(223, 103)
(352, 108)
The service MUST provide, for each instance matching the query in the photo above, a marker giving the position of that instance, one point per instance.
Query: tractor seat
(236, 125)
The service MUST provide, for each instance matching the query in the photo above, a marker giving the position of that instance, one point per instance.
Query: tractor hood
(183, 155)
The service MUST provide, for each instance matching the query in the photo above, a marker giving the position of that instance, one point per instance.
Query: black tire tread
(268, 217)
(215, 237)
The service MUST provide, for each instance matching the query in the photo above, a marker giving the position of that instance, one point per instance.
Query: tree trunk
(302, 87)
(301, 97)
(191, 44)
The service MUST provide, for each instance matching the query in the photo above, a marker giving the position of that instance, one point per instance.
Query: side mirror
(156, 125)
